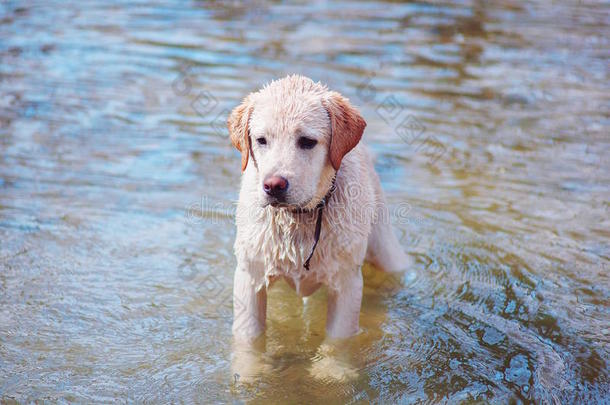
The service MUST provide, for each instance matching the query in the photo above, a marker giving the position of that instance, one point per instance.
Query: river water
(489, 122)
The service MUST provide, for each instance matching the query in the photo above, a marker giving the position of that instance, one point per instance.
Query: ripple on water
(118, 183)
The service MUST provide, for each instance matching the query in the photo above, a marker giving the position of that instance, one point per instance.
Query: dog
(311, 208)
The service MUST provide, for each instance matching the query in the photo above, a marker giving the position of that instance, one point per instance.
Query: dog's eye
(261, 141)
(307, 143)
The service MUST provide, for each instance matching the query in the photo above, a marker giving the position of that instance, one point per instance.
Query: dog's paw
(248, 363)
(328, 366)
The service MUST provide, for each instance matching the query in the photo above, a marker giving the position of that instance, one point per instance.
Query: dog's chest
(287, 238)
(272, 243)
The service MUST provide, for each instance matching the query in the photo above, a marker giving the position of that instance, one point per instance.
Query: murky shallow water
(117, 185)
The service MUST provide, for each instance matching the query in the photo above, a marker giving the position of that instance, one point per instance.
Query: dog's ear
(347, 126)
(239, 132)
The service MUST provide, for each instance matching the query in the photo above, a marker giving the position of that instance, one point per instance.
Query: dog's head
(294, 133)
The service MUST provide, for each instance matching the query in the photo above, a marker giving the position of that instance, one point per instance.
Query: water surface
(118, 183)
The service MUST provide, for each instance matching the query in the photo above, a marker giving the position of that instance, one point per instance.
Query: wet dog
(311, 208)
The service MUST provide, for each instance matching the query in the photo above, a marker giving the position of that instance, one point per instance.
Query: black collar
(319, 208)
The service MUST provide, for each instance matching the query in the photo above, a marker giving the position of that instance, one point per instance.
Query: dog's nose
(275, 186)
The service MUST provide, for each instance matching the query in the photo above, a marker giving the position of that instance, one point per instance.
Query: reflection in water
(118, 182)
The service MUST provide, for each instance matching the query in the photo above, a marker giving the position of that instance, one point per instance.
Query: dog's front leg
(249, 306)
(344, 306)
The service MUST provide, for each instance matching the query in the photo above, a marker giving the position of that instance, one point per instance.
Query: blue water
(489, 121)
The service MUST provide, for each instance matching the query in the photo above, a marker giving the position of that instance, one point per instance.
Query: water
(118, 183)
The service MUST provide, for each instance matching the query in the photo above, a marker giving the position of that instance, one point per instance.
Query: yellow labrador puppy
(311, 208)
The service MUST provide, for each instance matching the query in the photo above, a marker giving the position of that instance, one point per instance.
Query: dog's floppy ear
(347, 126)
(239, 132)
